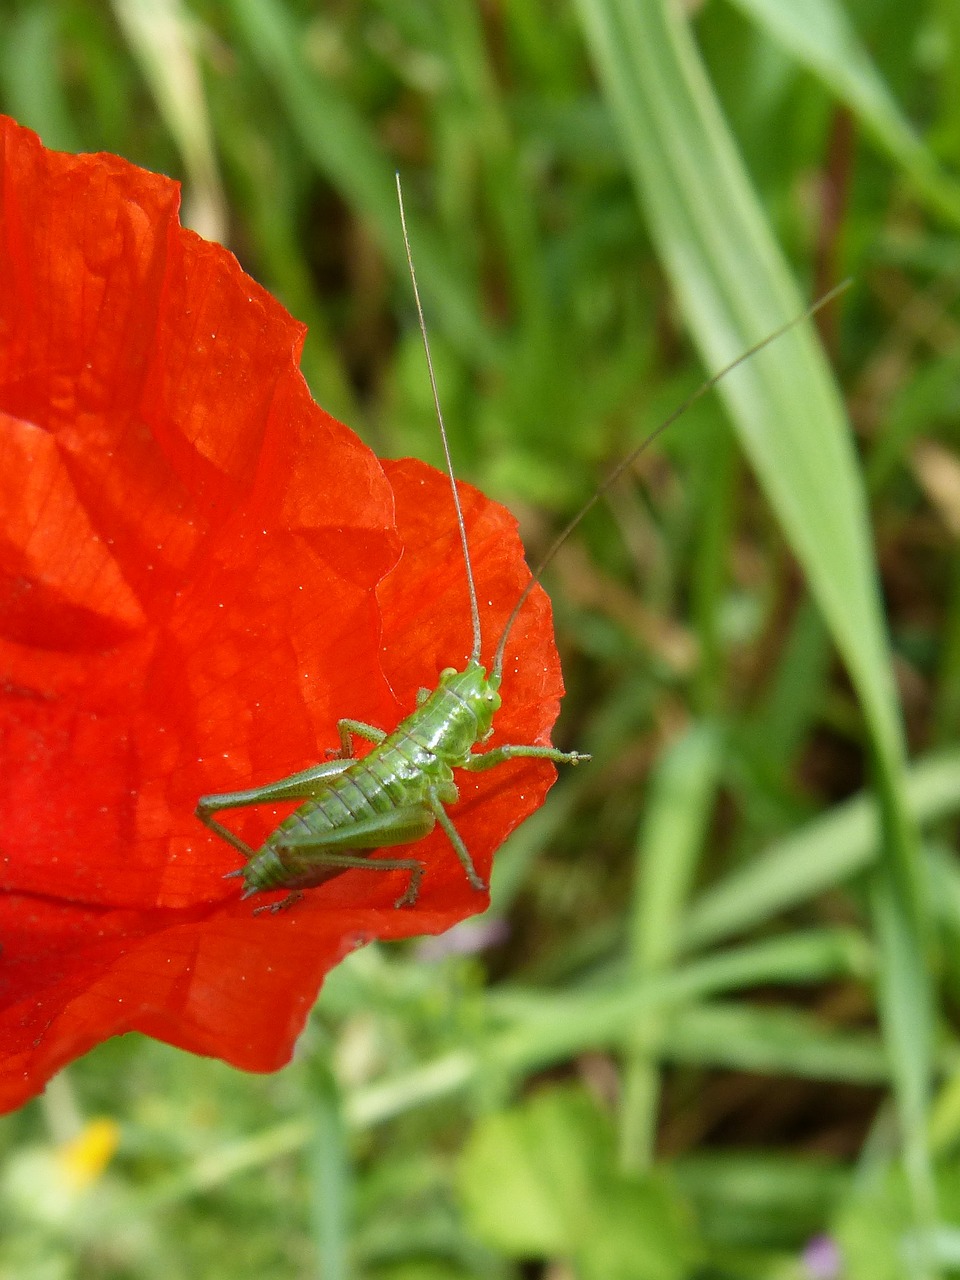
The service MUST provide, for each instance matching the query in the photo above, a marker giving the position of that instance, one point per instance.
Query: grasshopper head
(477, 690)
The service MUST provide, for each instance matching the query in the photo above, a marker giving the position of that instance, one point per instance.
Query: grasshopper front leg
(510, 751)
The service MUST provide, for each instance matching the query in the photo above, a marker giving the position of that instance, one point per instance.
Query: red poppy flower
(200, 571)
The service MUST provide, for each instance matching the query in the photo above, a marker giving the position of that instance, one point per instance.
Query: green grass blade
(343, 146)
(818, 34)
(741, 1037)
(734, 286)
(162, 38)
(821, 855)
(328, 1163)
(35, 97)
(677, 815)
(681, 799)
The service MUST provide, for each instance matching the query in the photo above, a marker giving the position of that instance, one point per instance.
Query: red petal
(192, 591)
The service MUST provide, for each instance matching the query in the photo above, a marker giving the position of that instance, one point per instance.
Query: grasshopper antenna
(644, 444)
(471, 585)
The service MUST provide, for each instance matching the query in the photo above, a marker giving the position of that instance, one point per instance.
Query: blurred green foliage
(718, 1040)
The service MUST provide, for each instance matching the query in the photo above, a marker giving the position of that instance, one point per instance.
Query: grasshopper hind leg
(330, 864)
(311, 858)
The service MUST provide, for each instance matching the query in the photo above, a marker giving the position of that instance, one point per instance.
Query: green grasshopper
(399, 791)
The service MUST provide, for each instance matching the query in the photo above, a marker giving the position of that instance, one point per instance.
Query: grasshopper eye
(447, 672)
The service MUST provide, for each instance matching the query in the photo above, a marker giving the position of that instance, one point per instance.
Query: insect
(399, 791)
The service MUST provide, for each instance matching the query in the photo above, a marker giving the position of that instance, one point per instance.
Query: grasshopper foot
(476, 882)
(409, 897)
(283, 905)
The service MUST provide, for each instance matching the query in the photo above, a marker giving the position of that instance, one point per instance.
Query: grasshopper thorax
(463, 706)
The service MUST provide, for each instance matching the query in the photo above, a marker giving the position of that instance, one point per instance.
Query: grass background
(708, 1028)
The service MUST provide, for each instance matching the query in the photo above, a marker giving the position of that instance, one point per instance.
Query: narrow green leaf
(819, 35)
(680, 802)
(821, 855)
(334, 134)
(734, 286)
(162, 37)
(329, 1179)
(778, 1042)
(37, 98)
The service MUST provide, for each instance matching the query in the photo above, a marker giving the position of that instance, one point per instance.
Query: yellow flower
(84, 1158)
